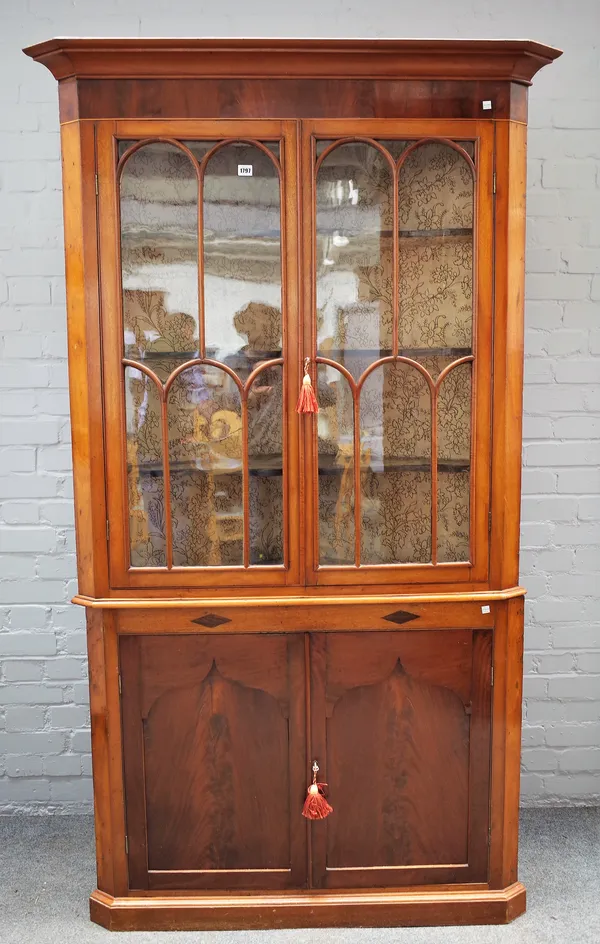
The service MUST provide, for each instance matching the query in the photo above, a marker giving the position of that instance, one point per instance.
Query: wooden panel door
(214, 748)
(401, 730)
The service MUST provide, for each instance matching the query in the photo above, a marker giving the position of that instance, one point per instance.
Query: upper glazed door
(399, 335)
(198, 311)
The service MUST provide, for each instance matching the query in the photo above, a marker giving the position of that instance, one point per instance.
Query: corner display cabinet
(266, 588)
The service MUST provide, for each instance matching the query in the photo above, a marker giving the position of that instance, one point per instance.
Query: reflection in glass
(354, 255)
(159, 253)
(145, 482)
(242, 257)
(395, 440)
(265, 460)
(336, 467)
(454, 449)
(205, 457)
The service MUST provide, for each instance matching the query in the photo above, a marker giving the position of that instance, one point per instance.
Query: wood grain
(209, 737)
(411, 908)
(513, 60)
(391, 724)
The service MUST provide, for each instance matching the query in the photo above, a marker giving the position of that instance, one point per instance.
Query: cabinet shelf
(232, 360)
(412, 352)
(264, 466)
(272, 466)
(459, 232)
(328, 465)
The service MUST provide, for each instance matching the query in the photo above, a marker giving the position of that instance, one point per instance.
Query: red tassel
(315, 805)
(307, 401)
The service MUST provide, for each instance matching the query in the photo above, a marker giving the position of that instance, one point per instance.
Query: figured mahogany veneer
(213, 688)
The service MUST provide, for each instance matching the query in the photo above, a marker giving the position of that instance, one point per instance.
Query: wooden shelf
(272, 465)
(413, 352)
(244, 360)
(448, 232)
(328, 466)
(264, 466)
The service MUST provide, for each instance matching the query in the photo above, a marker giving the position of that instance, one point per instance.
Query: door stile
(480, 736)
(133, 762)
(317, 667)
(111, 324)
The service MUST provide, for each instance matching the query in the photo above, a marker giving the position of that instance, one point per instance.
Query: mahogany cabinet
(266, 589)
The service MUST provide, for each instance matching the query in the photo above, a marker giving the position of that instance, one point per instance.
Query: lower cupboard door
(214, 760)
(401, 731)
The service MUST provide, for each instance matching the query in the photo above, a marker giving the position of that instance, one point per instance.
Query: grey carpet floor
(47, 872)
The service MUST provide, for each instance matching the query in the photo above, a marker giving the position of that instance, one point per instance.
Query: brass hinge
(107, 530)
(492, 676)
(126, 845)
(120, 685)
(96, 183)
(493, 182)
(489, 522)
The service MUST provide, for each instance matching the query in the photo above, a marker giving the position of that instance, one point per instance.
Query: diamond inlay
(211, 620)
(401, 616)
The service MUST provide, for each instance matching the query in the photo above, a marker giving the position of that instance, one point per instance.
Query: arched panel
(265, 464)
(159, 252)
(397, 742)
(454, 463)
(395, 450)
(206, 461)
(242, 255)
(225, 813)
(354, 254)
(435, 248)
(335, 444)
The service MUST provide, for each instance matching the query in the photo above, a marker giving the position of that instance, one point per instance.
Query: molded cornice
(513, 60)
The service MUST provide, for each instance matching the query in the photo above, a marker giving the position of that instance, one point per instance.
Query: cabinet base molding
(308, 910)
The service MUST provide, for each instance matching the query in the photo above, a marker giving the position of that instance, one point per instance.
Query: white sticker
(485, 609)
(487, 106)
(244, 170)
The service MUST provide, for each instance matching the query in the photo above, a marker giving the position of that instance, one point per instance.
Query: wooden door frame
(407, 574)
(122, 576)
(475, 869)
(134, 788)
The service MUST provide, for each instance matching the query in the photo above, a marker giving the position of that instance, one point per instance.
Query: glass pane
(454, 451)
(395, 437)
(159, 253)
(242, 256)
(205, 456)
(336, 467)
(265, 450)
(354, 256)
(435, 254)
(145, 483)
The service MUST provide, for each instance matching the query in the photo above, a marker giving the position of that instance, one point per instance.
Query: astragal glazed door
(400, 297)
(198, 289)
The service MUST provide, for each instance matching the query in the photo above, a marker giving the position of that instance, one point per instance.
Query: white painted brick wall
(44, 733)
